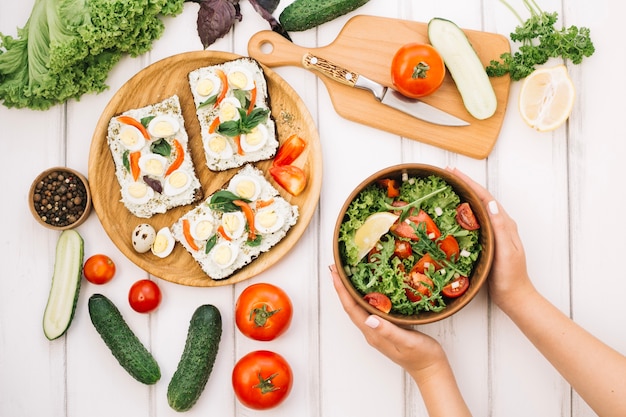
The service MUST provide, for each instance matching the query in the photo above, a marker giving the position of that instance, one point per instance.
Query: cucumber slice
(464, 66)
(65, 285)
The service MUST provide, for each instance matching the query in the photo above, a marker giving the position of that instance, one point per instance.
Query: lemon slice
(371, 230)
(547, 98)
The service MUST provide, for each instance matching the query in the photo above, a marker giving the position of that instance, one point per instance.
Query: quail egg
(163, 243)
(142, 238)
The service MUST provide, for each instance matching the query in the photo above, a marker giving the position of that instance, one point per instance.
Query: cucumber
(65, 286)
(306, 14)
(124, 344)
(196, 362)
(464, 66)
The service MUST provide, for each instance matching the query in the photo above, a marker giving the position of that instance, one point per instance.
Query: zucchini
(306, 14)
(124, 344)
(196, 362)
(65, 286)
(464, 66)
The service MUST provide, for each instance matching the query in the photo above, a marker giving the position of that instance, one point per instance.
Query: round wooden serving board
(156, 83)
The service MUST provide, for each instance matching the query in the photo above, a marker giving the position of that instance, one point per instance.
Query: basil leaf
(222, 200)
(210, 244)
(126, 160)
(161, 147)
(252, 120)
(145, 121)
(209, 101)
(240, 95)
(230, 128)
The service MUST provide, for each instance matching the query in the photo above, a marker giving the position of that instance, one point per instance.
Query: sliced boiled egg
(163, 126)
(131, 138)
(208, 85)
(217, 146)
(240, 78)
(255, 140)
(224, 254)
(201, 228)
(268, 220)
(177, 182)
(163, 243)
(152, 164)
(137, 192)
(234, 224)
(245, 186)
(229, 109)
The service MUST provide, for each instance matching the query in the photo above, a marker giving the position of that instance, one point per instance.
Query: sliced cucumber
(464, 66)
(65, 287)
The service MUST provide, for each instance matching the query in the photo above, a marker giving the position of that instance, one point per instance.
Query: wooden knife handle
(329, 69)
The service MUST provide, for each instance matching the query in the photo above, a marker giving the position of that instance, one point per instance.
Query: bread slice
(220, 240)
(218, 91)
(143, 165)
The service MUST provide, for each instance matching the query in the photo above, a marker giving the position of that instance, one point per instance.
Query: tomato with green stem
(417, 70)
(262, 379)
(263, 311)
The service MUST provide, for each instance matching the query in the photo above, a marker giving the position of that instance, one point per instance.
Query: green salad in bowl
(413, 243)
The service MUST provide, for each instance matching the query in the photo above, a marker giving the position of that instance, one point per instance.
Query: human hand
(414, 351)
(508, 280)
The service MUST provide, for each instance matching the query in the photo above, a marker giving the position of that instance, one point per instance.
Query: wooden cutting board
(366, 44)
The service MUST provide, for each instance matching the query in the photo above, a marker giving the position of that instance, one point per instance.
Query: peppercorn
(60, 198)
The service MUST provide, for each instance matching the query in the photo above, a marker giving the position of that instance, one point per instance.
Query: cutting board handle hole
(266, 48)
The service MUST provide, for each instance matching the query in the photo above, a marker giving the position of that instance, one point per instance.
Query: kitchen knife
(385, 95)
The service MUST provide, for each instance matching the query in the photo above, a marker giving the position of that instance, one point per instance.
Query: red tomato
(402, 249)
(291, 178)
(423, 263)
(420, 285)
(99, 269)
(403, 229)
(431, 228)
(378, 300)
(392, 187)
(417, 70)
(289, 151)
(456, 288)
(262, 379)
(144, 296)
(263, 312)
(466, 218)
(450, 247)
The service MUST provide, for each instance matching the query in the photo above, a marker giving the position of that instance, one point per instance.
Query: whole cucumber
(124, 344)
(196, 362)
(306, 14)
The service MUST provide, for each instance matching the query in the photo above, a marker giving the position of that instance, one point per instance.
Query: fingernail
(493, 207)
(332, 268)
(372, 322)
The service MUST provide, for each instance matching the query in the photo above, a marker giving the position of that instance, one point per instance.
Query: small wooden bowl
(62, 222)
(481, 267)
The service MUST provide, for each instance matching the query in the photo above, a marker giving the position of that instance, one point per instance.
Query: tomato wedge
(402, 249)
(419, 286)
(291, 178)
(391, 185)
(456, 288)
(378, 300)
(466, 218)
(450, 247)
(424, 263)
(289, 151)
(431, 228)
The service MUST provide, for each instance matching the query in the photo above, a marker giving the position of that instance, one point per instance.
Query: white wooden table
(564, 189)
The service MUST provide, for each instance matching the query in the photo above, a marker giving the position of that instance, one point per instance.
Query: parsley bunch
(540, 41)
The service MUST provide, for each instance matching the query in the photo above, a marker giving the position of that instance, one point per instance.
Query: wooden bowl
(69, 214)
(481, 267)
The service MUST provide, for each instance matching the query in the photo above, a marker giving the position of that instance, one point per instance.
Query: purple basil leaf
(274, 24)
(269, 5)
(216, 18)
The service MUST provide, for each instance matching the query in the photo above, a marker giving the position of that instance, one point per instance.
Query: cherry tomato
(402, 249)
(423, 263)
(289, 151)
(456, 288)
(417, 70)
(378, 300)
(262, 379)
(392, 187)
(291, 178)
(263, 312)
(420, 285)
(144, 296)
(99, 269)
(450, 247)
(466, 218)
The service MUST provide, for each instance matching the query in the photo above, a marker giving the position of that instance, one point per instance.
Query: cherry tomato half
(144, 296)
(450, 247)
(378, 300)
(419, 285)
(262, 379)
(417, 70)
(263, 312)
(99, 269)
(456, 288)
(466, 218)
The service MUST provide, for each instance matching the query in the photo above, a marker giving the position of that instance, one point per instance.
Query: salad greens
(386, 273)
